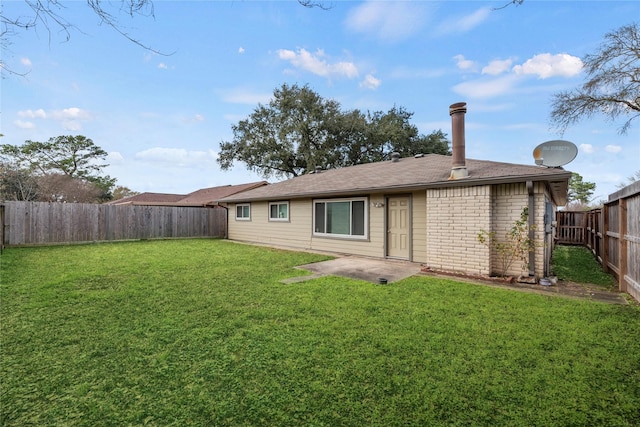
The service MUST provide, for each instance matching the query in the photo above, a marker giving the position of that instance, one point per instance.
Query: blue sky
(162, 117)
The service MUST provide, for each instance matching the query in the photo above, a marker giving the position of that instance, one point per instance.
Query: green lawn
(578, 264)
(202, 333)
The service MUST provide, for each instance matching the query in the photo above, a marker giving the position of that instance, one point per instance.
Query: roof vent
(395, 157)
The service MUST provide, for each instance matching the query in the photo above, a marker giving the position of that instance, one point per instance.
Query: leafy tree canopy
(299, 130)
(579, 190)
(613, 83)
(121, 192)
(75, 157)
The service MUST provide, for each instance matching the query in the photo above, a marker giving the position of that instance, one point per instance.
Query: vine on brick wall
(515, 246)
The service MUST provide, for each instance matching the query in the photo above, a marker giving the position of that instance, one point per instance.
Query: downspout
(226, 229)
(531, 225)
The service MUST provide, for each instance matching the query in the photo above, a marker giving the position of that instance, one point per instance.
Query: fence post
(605, 238)
(622, 268)
(1, 228)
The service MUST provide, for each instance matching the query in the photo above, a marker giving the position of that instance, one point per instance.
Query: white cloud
(543, 66)
(497, 66)
(26, 62)
(464, 64)
(73, 113)
(546, 65)
(463, 24)
(403, 72)
(31, 114)
(389, 21)
(163, 66)
(370, 82)
(240, 50)
(587, 148)
(24, 125)
(317, 64)
(196, 118)
(485, 88)
(69, 118)
(234, 117)
(179, 157)
(244, 96)
(72, 125)
(115, 157)
(613, 148)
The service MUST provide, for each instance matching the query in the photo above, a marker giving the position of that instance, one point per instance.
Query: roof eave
(559, 177)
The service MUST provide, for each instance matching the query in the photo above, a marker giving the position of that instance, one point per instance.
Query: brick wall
(508, 202)
(454, 218)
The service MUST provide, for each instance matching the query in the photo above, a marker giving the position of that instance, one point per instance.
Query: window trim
(278, 203)
(243, 218)
(365, 201)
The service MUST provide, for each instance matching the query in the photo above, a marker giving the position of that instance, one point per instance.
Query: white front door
(398, 227)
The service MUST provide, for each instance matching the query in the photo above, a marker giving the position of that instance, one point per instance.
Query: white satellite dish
(555, 153)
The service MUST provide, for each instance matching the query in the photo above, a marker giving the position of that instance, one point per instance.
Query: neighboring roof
(143, 198)
(411, 173)
(208, 196)
(202, 197)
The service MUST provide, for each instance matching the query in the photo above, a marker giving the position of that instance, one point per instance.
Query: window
(243, 212)
(340, 217)
(279, 211)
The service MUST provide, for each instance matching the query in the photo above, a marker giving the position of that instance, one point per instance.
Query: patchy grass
(201, 332)
(577, 264)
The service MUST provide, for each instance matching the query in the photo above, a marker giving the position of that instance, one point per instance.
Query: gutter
(531, 223)
(402, 187)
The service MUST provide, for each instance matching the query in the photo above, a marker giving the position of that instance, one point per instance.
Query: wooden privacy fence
(612, 233)
(570, 227)
(38, 223)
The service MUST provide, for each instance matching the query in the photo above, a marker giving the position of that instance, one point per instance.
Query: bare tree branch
(612, 88)
(50, 15)
(514, 2)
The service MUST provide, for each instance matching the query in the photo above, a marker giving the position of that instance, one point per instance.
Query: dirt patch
(561, 288)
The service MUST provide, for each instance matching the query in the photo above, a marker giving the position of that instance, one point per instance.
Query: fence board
(571, 228)
(38, 223)
(611, 233)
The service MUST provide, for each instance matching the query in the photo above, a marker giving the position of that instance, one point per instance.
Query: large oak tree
(298, 130)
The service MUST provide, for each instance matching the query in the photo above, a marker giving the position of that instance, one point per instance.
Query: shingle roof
(211, 195)
(429, 171)
(143, 198)
(202, 197)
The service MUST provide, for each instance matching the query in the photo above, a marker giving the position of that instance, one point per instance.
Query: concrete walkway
(373, 270)
(367, 269)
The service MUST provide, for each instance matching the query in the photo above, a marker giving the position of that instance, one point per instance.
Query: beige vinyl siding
(419, 226)
(445, 226)
(372, 247)
(295, 233)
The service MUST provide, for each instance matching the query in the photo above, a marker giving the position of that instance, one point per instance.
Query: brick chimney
(459, 164)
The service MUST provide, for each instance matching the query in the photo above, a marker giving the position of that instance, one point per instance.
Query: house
(427, 209)
(148, 199)
(202, 197)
